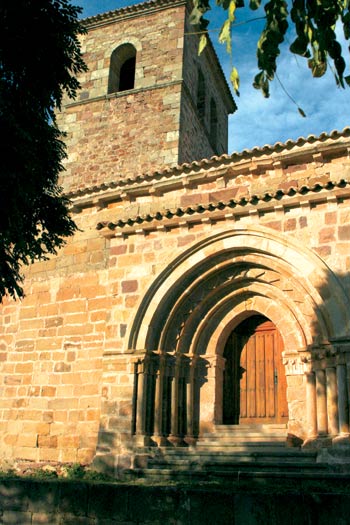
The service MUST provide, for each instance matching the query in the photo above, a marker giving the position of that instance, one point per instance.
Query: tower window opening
(122, 69)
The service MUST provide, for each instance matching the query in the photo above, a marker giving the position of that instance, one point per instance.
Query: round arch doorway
(254, 383)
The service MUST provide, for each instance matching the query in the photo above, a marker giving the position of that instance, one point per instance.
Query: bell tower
(147, 101)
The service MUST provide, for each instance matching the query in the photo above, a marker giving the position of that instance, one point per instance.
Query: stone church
(203, 293)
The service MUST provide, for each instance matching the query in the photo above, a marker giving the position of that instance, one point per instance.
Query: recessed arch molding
(186, 316)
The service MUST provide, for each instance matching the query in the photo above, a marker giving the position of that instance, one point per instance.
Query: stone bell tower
(147, 101)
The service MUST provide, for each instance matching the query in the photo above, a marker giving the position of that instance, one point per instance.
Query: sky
(259, 121)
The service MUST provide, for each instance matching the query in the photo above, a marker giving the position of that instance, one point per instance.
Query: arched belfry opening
(254, 380)
(122, 69)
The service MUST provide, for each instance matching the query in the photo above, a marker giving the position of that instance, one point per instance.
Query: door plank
(251, 377)
(270, 376)
(254, 378)
(260, 392)
(243, 384)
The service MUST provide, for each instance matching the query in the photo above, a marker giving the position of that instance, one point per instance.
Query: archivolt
(212, 286)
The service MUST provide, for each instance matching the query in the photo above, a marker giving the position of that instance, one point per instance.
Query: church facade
(201, 289)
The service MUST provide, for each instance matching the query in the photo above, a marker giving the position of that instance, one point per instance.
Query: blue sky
(259, 121)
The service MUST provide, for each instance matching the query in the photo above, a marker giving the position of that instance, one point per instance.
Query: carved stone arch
(303, 268)
(183, 320)
(136, 42)
(123, 68)
(291, 324)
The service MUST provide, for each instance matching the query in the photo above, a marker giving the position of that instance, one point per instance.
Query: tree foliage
(39, 59)
(314, 23)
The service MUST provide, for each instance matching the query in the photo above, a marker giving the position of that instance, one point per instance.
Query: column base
(341, 441)
(191, 441)
(143, 441)
(177, 441)
(317, 442)
(161, 441)
(293, 441)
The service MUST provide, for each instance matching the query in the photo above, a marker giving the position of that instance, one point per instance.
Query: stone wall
(129, 133)
(132, 132)
(69, 348)
(32, 502)
(215, 88)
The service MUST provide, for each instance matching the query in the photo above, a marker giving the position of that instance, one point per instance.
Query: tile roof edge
(205, 163)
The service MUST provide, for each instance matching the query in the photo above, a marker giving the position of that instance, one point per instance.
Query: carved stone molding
(297, 363)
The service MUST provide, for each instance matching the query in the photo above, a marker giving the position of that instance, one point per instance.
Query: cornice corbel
(232, 209)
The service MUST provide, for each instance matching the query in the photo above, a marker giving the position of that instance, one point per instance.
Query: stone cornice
(179, 197)
(132, 11)
(121, 94)
(255, 161)
(230, 210)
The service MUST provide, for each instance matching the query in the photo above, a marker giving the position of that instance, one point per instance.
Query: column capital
(296, 363)
(216, 360)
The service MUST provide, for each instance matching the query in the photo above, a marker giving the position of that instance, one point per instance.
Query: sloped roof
(130, 11)
(312, 143)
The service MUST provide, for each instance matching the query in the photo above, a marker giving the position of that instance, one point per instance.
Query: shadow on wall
(327, 364)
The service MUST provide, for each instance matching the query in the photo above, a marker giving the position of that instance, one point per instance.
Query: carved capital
(297, 363)
(324, 355)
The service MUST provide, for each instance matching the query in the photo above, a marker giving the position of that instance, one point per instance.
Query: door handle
(275, 376)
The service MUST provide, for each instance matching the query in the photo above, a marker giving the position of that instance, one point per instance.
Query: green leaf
(318, 68)
(261, 82)
(254, 4)
(346, 25)
(234, 77)
(202, 43)
(195, 16)
(225, 35)
(299, 46)
(231, 10)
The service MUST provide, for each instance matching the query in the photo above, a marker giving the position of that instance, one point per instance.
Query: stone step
(239, 466)
(238, 470)
(269, 461)
(242, 439)
(248, 433)
(237, 448)
(241, 452)
(237, 442)
(265, 427)
(271, 457)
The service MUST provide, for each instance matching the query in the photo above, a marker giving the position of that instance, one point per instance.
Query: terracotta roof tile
(215, 161)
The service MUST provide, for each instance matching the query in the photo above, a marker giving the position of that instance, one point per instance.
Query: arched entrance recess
(184, 320)
(254, 382)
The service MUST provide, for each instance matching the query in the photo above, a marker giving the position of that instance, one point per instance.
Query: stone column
(332, 401)
(343, 401)
(159, 401)
(218, 365)
(321, 402)
(174, 434)
(190, 386)
(142, 386)
(134, 397)
(311, 404)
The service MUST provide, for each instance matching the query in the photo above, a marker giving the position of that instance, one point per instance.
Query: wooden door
(254, 379)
